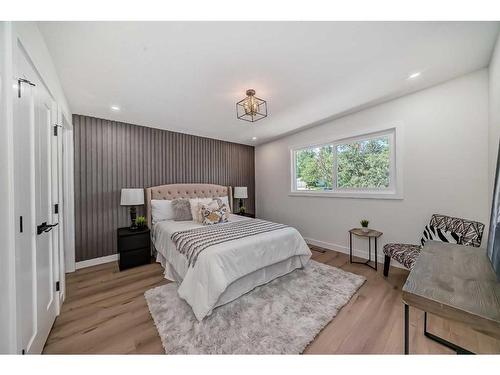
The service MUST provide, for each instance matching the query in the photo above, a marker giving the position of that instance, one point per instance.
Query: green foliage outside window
(315, 168)
(362, 164)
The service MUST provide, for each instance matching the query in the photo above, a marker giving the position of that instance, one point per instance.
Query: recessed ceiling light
(254, 138)
(115, 108)
(414, 75)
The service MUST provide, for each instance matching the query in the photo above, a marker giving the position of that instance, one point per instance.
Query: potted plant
(364, 225)
(140, 221)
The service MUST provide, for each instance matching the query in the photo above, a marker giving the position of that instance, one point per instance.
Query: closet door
(24, 203)
(35, 258)
(45, 249)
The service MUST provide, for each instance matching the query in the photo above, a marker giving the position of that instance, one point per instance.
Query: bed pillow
(432, 233)
(196, 208)
(182, 210)
(212, 215)
(161, 209)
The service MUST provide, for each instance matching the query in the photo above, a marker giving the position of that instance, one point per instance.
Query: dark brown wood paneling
(111, 155)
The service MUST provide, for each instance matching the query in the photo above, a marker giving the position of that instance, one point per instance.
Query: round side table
(372, 233)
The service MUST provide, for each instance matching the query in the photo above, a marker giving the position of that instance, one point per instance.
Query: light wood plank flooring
(105, 312)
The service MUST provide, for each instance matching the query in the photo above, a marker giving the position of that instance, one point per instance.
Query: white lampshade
(132, 197)
(240, 192)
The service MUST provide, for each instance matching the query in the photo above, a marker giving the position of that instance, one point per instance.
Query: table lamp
(132, 198)
(241, 193)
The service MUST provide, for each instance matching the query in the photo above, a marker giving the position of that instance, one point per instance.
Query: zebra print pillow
(432, 233)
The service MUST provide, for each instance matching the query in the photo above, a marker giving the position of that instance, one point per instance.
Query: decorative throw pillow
(220, 202)
(432, 233)
(182, 210)
(225, 200)
(212, 205)
(196, 208)
(214, 215)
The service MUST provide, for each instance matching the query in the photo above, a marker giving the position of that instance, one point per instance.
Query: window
(362, 166)
(314, 168)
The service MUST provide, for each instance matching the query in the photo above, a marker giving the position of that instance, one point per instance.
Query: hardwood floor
(105, 312)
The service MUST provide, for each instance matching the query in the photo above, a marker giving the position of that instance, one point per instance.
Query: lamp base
(241, 208)
(133, 215)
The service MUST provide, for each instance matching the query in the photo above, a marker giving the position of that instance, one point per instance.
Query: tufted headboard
(174, 191)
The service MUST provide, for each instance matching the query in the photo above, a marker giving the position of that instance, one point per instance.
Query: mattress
(226, 271)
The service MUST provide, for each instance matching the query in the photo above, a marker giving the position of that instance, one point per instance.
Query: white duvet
(217, 267)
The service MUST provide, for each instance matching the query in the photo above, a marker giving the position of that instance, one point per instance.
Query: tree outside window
(363, 164)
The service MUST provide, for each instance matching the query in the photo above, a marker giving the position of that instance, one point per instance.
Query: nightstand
(246, 214)
(134, 247)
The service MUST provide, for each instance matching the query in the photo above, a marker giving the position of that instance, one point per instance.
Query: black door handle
(44, 227)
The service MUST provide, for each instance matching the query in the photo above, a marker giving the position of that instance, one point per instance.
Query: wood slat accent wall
(111, 155)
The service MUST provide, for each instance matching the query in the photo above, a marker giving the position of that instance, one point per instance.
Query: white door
(35, 258)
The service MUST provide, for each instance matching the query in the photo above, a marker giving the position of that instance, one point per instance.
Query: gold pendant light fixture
(251, 108)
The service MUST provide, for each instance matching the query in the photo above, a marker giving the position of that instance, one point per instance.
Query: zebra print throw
(193, 241)
(432, 233)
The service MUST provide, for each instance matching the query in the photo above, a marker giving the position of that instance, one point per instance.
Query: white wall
(445, 162)
(494, 112)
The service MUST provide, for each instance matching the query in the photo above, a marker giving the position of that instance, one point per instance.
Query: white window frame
(395, 189)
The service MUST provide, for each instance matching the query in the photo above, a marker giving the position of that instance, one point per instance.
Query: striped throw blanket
(193, 241)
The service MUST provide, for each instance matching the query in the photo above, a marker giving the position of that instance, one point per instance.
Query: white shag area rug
(281, 317)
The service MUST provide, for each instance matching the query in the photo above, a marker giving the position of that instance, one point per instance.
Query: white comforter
(220, 265)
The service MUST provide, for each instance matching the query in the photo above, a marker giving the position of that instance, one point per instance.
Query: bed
(227, 270)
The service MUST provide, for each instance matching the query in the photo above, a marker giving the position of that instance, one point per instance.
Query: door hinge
(55, 129)
(20, 224)
(22, 80)
(56, 208)
(58, 287)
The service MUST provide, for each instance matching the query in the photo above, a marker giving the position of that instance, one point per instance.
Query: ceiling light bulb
(251, 106)
(414, 75)
(254, 138)
(115, 108)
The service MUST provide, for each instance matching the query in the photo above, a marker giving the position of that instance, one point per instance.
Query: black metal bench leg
(407, 328)
(387, 263)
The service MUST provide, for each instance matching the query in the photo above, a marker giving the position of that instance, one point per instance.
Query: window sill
(355, 195)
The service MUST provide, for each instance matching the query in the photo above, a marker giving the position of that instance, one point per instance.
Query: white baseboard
(355, 252)
(311, 241)
(96, 261)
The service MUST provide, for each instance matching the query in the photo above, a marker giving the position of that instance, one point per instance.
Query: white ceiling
(187, 76)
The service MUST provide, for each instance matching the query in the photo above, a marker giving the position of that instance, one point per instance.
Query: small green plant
(140, 221)
(364, 223)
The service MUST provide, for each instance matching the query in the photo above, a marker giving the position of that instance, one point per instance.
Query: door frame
(56, 194)
(68, 194)
(8, 251)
